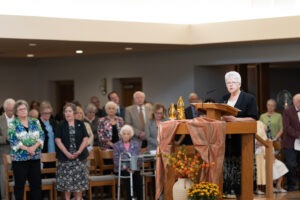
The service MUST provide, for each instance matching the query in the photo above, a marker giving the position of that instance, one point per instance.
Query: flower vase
(180, 187)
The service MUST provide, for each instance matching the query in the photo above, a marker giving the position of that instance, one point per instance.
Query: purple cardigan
(119, 148)
(291, 127)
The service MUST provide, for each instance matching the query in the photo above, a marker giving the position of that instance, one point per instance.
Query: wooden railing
(269, 156)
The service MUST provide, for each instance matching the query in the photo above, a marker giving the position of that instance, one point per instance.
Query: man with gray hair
(137, 116)
(5, 119)
(190, 111)
(291, 131)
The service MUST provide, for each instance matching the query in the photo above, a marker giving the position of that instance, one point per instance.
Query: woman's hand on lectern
(229, 118)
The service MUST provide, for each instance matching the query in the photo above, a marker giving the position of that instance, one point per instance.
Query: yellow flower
(203, 191)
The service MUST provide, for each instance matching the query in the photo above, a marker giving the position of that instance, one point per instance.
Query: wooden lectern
(216, 110)
(247, 130)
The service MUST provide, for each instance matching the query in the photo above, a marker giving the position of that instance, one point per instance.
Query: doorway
(126, 87)
(64, 91)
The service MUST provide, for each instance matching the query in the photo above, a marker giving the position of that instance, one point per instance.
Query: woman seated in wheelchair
(127, 149)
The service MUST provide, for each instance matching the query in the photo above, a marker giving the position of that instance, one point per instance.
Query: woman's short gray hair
(70, 105)
(111, 104)
(234, 75)
(126, 128)
(90, 107)
(18, 104)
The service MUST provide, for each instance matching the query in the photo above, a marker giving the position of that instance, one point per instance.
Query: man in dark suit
(137, 116)
(190, 111)
(113, 96)
(291, 131)
(5, 119)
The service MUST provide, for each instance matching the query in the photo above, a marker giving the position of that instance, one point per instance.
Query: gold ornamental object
(180, 109)
(172, 112)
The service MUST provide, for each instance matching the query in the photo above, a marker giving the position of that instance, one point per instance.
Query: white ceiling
(158, 11)
(104, 32)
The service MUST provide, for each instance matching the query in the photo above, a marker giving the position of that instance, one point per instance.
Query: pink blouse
(126, 145)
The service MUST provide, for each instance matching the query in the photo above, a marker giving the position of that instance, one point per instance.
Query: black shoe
(292, 189)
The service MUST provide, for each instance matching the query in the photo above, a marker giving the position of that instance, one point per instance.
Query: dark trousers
(27, 170)
(291, 160)
(232, 165)
(137, 184)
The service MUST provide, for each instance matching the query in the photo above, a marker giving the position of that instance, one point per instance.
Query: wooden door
(128, 87)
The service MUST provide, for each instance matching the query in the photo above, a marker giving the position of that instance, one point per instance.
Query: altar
(247, 131)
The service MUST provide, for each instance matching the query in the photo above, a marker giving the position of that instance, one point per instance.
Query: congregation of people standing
(27, 131)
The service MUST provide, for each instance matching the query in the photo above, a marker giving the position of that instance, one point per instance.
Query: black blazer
(122, 113)
(54, 125)
(63, 133)
(246, 103)
(188, 112)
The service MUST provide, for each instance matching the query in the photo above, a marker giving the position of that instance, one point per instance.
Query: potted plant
(187, 170)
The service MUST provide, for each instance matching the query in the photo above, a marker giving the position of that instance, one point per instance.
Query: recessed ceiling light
(79, 51)
(32, 44)
(30, 55)
(128, 48)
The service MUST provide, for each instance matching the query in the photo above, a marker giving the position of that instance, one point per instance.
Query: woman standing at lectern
(247, 105)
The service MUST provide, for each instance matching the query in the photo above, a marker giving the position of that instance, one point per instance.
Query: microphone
(211, 91)
(207, 99)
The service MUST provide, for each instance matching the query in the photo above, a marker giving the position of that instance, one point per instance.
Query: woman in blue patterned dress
(71, 139)
(26, 140)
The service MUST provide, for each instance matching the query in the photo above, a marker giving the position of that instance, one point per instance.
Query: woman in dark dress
(49, 126)
(71, 139)
(247, 105)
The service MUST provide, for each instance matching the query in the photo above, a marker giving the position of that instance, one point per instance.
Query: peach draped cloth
(208, 136)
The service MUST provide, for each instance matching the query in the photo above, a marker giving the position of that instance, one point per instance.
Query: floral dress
(18, 136)
(72, 175)
(108, 132)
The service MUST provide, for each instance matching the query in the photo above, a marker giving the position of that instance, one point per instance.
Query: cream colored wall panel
(91, 30)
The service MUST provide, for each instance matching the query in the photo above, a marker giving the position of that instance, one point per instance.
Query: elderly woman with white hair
(243, 101)
(109, 126)
(247, 105)
(128, 145)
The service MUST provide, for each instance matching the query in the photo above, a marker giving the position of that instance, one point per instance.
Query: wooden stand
(216, 110)
(247, 131)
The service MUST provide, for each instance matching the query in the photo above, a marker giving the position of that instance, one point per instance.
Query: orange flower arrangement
(186, 167)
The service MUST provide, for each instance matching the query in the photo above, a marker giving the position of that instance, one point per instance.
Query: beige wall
(166, 75)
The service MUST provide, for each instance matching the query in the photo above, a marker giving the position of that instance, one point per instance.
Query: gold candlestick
(172, 112)
(180, 109)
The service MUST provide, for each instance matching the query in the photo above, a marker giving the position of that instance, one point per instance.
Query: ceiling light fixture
(79, 51)
(30, 55)
(128, 48)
